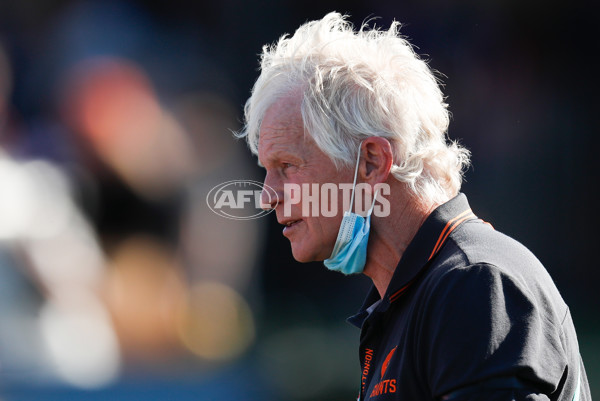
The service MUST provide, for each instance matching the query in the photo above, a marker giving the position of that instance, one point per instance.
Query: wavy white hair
(361, 84)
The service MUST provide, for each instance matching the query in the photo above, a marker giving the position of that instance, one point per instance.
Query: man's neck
(391, 235)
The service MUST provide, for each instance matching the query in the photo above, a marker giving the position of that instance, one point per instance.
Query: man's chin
(300, 255)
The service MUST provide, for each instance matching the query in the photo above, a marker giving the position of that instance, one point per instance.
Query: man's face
(291, 157)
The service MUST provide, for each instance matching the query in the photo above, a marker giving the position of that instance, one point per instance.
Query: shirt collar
(425, 245)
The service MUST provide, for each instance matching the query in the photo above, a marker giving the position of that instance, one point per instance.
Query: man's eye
(286, 165)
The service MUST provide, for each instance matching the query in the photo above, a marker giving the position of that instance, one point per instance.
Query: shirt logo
(385, 386)
(386, 362)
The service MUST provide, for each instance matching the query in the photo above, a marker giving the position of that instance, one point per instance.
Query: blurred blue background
(116, 280)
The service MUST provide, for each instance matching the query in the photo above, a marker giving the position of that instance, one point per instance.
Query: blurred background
(118, 282)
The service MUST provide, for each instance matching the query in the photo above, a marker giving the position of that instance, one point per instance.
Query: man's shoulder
(476, 244)
(481, 243)
(479, 259)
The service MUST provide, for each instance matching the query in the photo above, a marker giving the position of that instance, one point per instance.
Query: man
(458, 311)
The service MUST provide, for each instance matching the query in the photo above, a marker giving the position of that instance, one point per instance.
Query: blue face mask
(350, 250)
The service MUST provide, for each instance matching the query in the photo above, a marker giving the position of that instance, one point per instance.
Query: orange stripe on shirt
(450, 226)
(469, 216)
(395, 295)
(442, 236)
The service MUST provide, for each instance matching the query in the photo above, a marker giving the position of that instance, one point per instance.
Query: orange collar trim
(450, 226)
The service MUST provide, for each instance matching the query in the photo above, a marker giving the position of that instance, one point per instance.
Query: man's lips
(289, 225)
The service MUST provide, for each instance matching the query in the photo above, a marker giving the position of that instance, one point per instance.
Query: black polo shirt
(470, 314)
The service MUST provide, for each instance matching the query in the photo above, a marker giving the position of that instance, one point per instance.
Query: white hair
(360, 84)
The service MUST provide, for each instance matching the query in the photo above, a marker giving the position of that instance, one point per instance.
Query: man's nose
(269, 196)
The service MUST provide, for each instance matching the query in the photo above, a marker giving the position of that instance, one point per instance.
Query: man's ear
(376, 160)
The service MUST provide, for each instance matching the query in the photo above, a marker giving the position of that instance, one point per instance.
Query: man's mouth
(289, 225)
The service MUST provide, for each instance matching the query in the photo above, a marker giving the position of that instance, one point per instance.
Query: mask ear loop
(373, 204)
(355, 175)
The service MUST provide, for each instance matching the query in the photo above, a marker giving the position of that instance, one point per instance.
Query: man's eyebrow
(269, 158)
(280, 154)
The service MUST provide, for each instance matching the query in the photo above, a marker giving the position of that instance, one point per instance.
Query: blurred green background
(118, 282)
